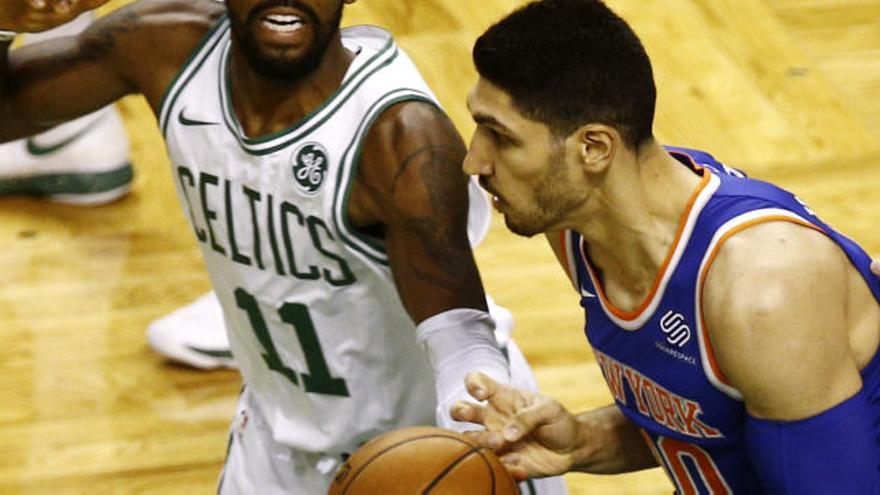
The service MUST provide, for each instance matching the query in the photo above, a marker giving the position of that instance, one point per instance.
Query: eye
(499, 138)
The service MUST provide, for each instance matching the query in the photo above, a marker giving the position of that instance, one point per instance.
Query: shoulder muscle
(411, 166)
(774, 302)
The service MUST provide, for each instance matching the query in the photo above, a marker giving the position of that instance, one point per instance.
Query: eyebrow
(483, 119)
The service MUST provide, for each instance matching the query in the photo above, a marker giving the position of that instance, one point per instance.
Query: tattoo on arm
(439, 229)
(103, 40)
(430, 152)
(97, 43)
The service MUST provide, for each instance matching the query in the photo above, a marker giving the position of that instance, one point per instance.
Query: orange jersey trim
(567, 254)
(682, 223)
(710, 353)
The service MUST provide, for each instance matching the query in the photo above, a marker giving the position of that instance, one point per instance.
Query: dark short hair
(567, 63)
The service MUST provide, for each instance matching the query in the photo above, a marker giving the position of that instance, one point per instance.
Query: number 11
(318, 380)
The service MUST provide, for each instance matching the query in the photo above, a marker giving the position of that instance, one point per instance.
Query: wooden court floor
(786, 89)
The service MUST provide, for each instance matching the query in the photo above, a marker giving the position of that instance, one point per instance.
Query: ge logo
(310, 167)
(673, 325)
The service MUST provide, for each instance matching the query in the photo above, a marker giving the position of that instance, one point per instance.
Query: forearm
(458, 342)
(831, 452)
(610, 444)
(48, 82)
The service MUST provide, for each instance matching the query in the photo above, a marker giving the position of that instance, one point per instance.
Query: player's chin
(279, 63)
(522, 227)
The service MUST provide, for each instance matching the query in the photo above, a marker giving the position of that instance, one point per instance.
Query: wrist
(605, 442)
(582, 456)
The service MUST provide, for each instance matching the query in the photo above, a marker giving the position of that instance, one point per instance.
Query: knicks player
(324, 185)
(738, 333)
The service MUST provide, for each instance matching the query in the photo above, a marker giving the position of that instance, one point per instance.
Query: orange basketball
(423, 460)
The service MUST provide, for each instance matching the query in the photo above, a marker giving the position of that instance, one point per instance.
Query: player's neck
(635, 219)
(264, 106)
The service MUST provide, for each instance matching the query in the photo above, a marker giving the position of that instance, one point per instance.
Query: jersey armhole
(726, 231)
(188, 70)
(372, 248)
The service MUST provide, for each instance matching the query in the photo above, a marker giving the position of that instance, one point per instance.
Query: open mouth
(282, 23)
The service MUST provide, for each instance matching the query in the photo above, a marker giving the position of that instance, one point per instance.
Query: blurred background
(788, 90)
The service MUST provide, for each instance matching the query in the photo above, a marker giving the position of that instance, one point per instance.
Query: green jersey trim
(368, 246)
(188, 70)
(271, 143)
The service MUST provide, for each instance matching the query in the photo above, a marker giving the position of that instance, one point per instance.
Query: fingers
(468, 412)
(504, 398)
(480, 386)
(875, 267)
(541, 412)
(488, 439)
(41, 15)
(475, 413)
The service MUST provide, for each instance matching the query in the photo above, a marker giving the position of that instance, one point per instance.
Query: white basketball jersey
(314, 320)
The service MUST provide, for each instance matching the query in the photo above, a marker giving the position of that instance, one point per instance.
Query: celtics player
(323, 184)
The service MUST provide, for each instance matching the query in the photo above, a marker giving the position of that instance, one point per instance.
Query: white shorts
(257, 464)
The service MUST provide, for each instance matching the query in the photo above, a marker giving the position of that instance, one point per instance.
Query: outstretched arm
(536, 436)
(47, 83)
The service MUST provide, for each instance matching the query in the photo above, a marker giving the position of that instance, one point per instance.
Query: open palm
(534, 435)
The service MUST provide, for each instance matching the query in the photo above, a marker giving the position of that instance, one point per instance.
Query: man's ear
(597, 144)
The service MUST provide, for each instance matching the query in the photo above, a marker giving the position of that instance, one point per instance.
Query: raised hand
(534, 435)
(32, 16)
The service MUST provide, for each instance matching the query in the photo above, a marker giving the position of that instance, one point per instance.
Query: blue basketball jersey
(657, 360)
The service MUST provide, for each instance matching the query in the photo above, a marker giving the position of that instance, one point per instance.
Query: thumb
(875, 267)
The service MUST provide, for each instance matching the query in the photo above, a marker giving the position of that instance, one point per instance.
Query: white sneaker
(194, 335)
(85, 161)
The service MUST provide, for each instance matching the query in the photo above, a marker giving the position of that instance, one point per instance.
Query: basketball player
(738, 333)
(324, 185)
(83, 162)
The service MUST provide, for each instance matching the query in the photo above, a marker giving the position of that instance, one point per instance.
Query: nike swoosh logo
(211, 353)
(586, 293)
(37, 149)
(191, 122)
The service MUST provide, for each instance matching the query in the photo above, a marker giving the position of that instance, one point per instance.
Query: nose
(478, 160)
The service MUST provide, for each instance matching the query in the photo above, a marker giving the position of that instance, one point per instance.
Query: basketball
(423, 460)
